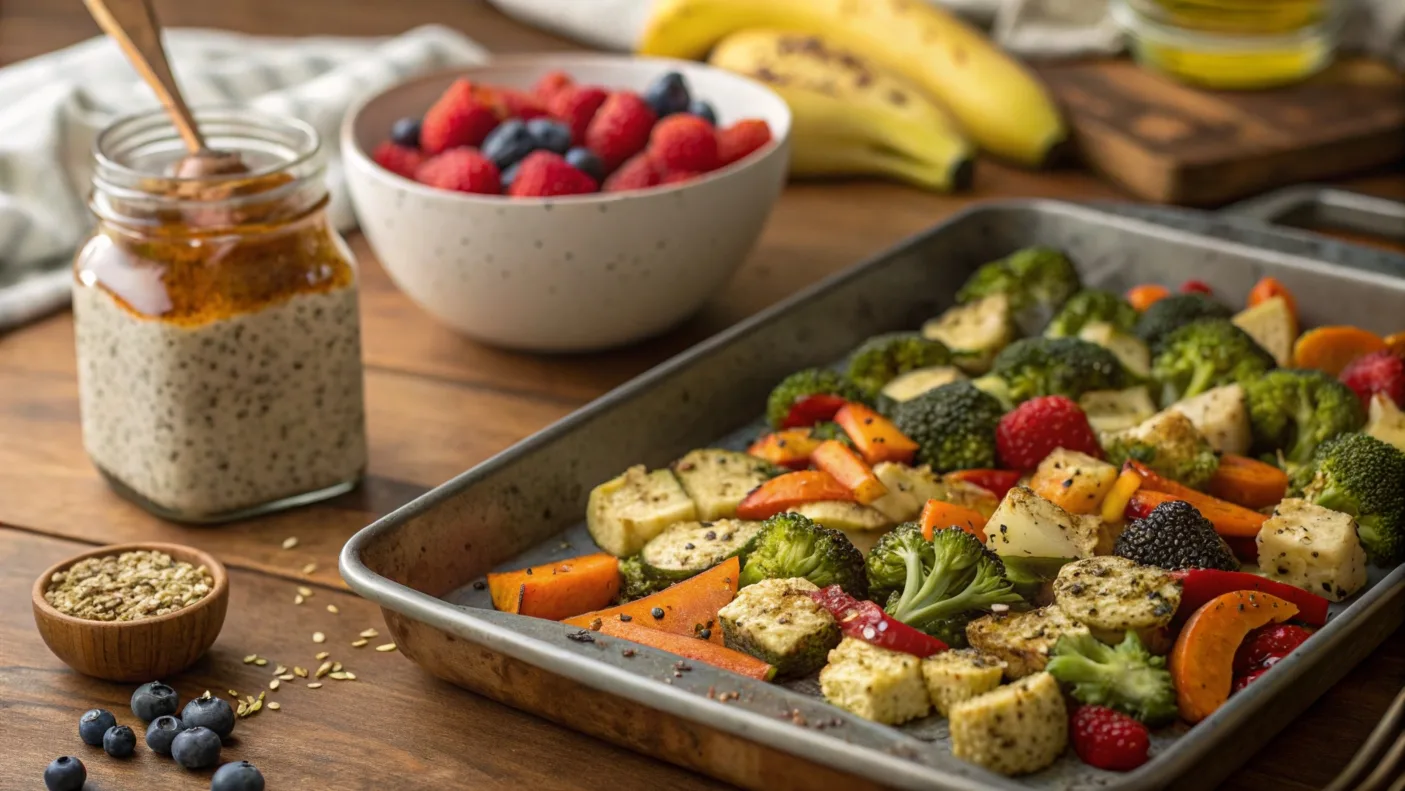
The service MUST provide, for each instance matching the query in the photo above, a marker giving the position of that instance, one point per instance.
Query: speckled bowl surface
(573, 273)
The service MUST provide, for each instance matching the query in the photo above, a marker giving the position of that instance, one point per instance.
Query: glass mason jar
(219, 347)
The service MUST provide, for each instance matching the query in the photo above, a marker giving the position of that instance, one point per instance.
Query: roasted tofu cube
(875, 683)
(1222, 415)
(717, 480)
(1027, 524)
(1013, 730)
(777, 622)
(1022, 640)
(1110, 411)
(624, 513)
(1076, 482)
(1272, 324)
(960, 674)
(1113, 595)
(1313, 548)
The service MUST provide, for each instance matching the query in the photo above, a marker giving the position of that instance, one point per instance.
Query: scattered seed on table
(300, 672)
(242, 710)
(350, 676)
(315, 685)
(274, 684)
(273, 704)
(304, 591)
(321, 655)
(318, 637)
(309, 568)
(298, 599)
(332, 608)
(323, 670)
(250, 658)
(260, 662)
(286, 677)
(290, 542)
(280, 670)
(359, 643)
(369, 633)
(385, 648)
(337, 676)
(232, 694)
(336, 667)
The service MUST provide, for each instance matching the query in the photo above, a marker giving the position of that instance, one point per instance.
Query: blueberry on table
(704, 111)
(668, 94)
(161, 732)
(93, 724)
(240, 776)
(65, 773)
(119, 741)
(210, 712)
(154, 700)
(508, 143)
(585, 160)
(406, 132)
(554, 136)
(197, 748)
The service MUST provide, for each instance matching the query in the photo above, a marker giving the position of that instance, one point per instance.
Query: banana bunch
(995, 101)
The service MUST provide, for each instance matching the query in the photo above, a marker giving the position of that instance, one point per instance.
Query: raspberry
(399, 160)
(1378, 372)
(1263, 647)
(1039, 426)
(678, 177)
(684, 142)
(1109, 739)
(638, 173)
(620, 129)
(576, 107)
(740, 139)
(461, 170)
(459, 118)
(551, 83)
(544, 174)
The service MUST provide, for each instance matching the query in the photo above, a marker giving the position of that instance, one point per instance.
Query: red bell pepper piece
(1199, 586)
(997, 482)
(812, 409)
(864, 620)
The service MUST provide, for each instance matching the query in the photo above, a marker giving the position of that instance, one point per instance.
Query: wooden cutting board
(1172, 143)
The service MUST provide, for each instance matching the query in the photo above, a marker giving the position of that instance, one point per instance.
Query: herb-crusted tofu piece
(909, 488)
(688, 548)
(1074, 481)
(777, 622)
(1022, 640)
(624, 513)
(1027, 524)
(717, 480)
(1222, 415)
(1110, 411)
(1015, 729)
(1312, 548)
(1113, 595)
(960, 674)
(875, 683)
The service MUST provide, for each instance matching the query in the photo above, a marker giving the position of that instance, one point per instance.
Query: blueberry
(704, 111)
(406, 132)
(668, 94)
(585, 160)
(197, 748)
(154, 700)
(554, 136)
(209, 712)
(65, 773)
(508, 176)
(508, 143)
(161, 732)
(93, 724)
(119, 741)
(241, 776)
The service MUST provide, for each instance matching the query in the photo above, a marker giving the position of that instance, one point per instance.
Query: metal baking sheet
(423, 562)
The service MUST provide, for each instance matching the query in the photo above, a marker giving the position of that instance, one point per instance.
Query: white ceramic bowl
(572, 273)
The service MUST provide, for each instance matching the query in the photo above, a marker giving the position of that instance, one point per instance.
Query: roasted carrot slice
(686, 608)
(698, 650)
(1202, 660)
(939, 515)
(1230, 520)
(558, 590)
(839, 460)
(784, 492)
(874, 435)
(1147, 294)
(1330, 349)
(1269, 287)
(1248, 482)
(786, 448)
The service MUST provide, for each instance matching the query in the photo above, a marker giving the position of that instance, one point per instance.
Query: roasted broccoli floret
(1203, 355)
(1126, 677)
(1069, 367)
(1170, 314)
(636, 582)
(1038, 281)
(953, 426)
(830, 430)
(801, 385)
(1175, 536)
(883, 358)
(1359, 475)
(1169, 443)
(1091, 305)
(1294, 411)
(945, 583)
(791, 546)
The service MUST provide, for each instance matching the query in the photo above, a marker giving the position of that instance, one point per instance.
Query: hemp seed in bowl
(128, 586)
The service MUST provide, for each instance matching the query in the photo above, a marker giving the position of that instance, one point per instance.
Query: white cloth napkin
(53, 106)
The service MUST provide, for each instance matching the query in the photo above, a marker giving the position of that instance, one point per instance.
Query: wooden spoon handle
(132, 24)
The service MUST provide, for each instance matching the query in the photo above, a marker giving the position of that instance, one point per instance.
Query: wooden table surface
(437, 404)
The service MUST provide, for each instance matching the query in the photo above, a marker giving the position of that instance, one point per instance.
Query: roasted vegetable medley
(1056, 516)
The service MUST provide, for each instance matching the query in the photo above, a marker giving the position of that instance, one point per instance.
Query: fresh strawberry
(740, 139)
(1240, 682)
(638, 173)
(1264, 646)
(620, 129)
(1378, 372)
(399, 160)
(520, 104)
(544, 174)
(458, 118)
(551, 83)
(678, 177)
(1197, 287)
(576, 107)
(1109, 739)
(1039, 426)
(461, 170)
(683, 142)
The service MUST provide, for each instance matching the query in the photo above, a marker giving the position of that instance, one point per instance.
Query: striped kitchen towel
(53, 106)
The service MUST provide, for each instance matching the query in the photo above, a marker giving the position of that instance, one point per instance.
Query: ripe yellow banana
(996, 101)
(848, 115)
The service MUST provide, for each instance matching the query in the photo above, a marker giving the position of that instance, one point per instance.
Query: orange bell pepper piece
(875, 436)
(1248, 482)
(786, 448)
(839, 460)
(1330, 349)
(939, 515)
(558, 590)
(1147, 294)
(784, 492)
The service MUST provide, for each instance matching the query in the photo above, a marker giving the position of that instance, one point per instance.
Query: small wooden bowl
(138, 651)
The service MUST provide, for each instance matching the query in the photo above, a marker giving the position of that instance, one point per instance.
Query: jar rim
(129, 132)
